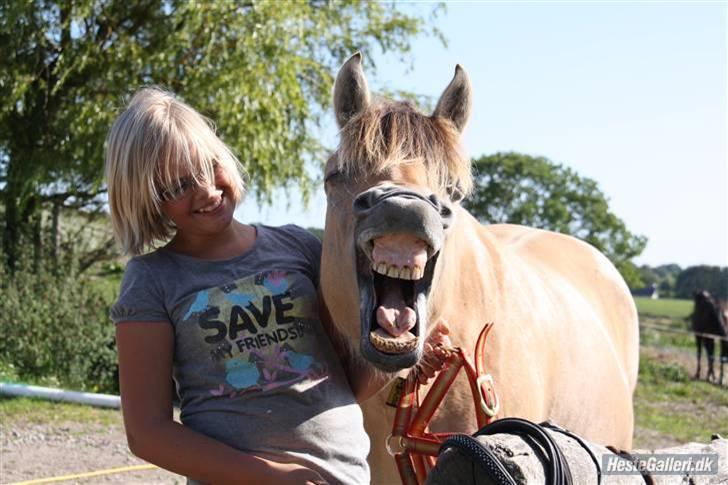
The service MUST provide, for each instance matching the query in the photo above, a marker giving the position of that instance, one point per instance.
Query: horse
(708, 317)
(399, 253)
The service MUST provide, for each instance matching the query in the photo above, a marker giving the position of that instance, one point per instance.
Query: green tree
(261, 69)
(533, 191)
(664, 276)
(703, 277)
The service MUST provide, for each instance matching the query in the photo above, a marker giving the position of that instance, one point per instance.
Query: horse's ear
(351, 93)
(456, 101)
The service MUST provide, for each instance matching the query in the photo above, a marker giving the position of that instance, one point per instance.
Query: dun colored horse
(708, 317)
(399, 253)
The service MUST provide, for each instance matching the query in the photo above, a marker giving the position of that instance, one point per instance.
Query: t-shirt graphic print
(258, 332)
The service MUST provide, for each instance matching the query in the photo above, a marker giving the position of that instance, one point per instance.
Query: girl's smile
(212, 207)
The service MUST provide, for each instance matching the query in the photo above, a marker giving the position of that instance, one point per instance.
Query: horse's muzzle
(391, 224)
(387, 209)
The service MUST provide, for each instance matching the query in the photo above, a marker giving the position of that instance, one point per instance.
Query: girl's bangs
(184, 155)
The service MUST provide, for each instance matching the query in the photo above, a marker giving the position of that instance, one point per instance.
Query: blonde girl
(229, 310)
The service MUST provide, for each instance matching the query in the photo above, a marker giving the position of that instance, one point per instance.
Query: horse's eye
(456, 195)
(331, 176)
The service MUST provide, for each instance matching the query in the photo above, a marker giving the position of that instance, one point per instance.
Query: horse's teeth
(404, 273)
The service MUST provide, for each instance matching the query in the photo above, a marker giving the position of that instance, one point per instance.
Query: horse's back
(575, 268)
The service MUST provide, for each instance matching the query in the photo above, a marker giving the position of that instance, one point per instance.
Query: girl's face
(203, 210)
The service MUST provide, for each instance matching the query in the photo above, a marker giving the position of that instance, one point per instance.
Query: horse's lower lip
(393, 345)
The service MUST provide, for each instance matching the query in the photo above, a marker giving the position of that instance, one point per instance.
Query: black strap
(481, 455)
(557, 468)
(555, 427)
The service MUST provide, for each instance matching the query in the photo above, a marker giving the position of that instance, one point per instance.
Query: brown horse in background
(399, 253)
(709, 318)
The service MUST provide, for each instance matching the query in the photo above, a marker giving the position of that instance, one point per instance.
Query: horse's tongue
(393, 314)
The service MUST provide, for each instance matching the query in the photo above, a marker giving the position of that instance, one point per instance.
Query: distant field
(670, 408)
(677, 309)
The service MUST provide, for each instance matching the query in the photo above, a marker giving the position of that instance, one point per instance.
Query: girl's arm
(145, 369)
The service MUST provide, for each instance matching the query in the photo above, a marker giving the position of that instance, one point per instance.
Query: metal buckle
(490, 411)
(399, 441)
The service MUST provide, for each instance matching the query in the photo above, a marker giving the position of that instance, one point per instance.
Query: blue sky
(630, 94)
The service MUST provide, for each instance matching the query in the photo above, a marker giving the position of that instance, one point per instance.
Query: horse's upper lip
(366, 237)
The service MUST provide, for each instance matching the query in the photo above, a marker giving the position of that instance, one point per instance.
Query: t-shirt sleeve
(310, 247)
(139, 296)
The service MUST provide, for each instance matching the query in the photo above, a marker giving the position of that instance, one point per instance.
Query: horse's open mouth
(394, 305)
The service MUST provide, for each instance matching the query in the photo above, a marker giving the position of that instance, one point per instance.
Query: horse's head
(391, 187)
(702, 297)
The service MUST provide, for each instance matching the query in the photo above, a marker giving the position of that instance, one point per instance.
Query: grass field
(665, 313)
(666, 307)
(670, 407)
(37, 411)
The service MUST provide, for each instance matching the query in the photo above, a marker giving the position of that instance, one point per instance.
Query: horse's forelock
(391, 133)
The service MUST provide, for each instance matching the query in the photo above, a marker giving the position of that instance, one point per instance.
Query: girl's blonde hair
(155, 140)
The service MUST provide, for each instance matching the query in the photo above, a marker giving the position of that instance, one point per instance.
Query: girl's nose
(207, 187)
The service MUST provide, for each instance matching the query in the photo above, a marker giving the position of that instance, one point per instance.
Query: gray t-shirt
(252, 363)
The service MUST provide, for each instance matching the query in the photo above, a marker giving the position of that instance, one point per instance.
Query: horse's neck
(469, 261)
(709, 318)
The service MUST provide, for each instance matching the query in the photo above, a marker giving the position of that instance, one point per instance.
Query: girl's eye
(180, 189)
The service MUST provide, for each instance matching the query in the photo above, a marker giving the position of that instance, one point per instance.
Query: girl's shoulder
(155, 268)
(291, 243)
(289, 234)
(148, 262)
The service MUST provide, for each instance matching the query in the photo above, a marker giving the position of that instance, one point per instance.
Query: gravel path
(31, 451)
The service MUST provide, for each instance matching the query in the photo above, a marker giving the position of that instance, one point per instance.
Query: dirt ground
(37, 451)
(31, 451)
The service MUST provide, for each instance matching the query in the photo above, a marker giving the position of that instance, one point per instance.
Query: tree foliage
(261, 69)
(703, 277)
(533, 191)
(664, 276)
(55, 325)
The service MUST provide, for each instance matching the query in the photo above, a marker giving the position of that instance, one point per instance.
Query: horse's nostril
(442, 207)
(368, 199)
(362, 203)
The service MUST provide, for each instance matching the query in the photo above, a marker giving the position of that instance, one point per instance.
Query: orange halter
(413, 447)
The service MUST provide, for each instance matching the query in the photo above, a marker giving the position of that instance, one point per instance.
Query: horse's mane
(390, 133)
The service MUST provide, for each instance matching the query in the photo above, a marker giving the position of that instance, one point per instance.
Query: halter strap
(411, 444)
